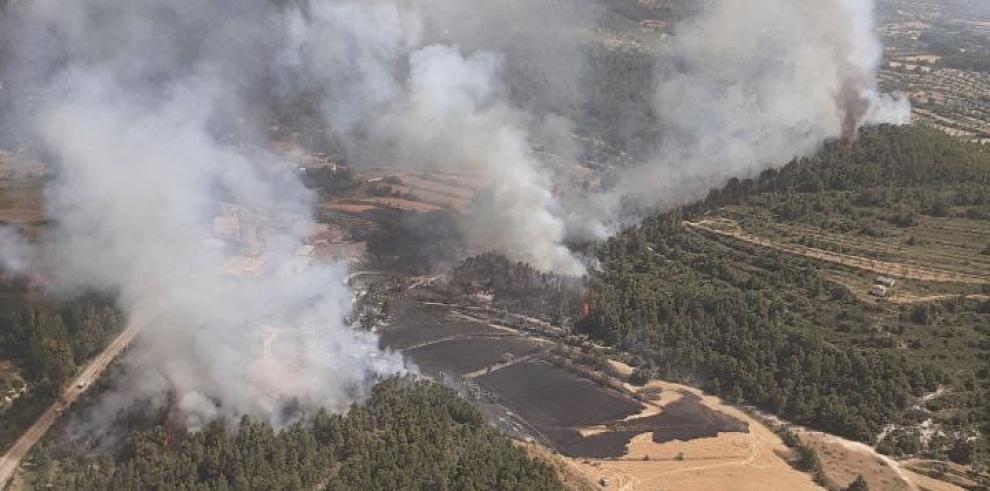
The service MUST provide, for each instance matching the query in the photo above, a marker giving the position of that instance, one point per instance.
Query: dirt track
(12, 459)
(728, 228)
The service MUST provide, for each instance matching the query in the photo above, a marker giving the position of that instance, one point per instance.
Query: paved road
(13, 457)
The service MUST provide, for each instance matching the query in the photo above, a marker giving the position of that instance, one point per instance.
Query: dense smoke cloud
(156, 115)
(392, 94)
(148, 112)
(745, 86)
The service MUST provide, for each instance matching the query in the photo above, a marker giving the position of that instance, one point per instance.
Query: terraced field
(953, 245)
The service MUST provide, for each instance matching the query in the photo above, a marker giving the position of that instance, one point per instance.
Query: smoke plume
(156, 115)
(392, 94)
(745, 86)
(165, 193)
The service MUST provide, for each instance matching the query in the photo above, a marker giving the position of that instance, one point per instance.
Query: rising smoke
(394, 94)
(156, 113)
(147, 110)
(750, 85)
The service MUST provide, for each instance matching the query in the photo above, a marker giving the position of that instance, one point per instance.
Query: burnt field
(547, 396)
(684, 419)
(565, 410)
(558, 403)
(415, 325)
(465, 355)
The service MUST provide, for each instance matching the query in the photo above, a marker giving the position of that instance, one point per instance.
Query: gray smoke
(749, 85)
(392, 93)
(156, 115)
(740, 87)
(17, 255)
(149, 112)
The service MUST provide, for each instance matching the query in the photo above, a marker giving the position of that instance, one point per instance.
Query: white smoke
(155, 114)
(16, 253)
(454, 118)
(152, 143)
(432, 106)
(745, 86)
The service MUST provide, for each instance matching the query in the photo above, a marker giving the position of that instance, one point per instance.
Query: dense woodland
(409, 435)
(46, 343)
(767, 328)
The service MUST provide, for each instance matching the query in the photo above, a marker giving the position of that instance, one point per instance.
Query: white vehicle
(82, 384)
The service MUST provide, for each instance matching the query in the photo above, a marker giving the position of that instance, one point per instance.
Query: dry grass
(843, 460)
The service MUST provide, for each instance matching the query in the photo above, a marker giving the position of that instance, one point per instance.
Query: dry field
(469, 354)
(738, 461)
(439, 190)
(353, 211)
(843, 460)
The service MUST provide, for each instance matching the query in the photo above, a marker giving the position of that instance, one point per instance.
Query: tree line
(409, 435)
(47, 342)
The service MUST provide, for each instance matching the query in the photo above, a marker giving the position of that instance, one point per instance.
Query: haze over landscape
(307, 225)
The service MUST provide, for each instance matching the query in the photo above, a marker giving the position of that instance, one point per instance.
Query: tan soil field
(737, 461)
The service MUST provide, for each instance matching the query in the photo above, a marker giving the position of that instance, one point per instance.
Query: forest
(771, 329)
(45, 342)
(409, 435)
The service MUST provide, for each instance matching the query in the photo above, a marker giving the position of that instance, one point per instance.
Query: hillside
(761, 293)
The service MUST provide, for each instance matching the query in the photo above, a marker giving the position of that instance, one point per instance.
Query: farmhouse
(885, 281)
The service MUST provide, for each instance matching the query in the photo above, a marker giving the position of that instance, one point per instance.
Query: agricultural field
(464, 355)
(422, 325)
(557, 402)
(936, 255)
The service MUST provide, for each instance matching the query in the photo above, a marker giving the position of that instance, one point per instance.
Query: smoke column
(392, 95)
(149, 113)
(749, 85)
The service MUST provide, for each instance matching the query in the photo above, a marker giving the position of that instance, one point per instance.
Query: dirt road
(12, 459)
